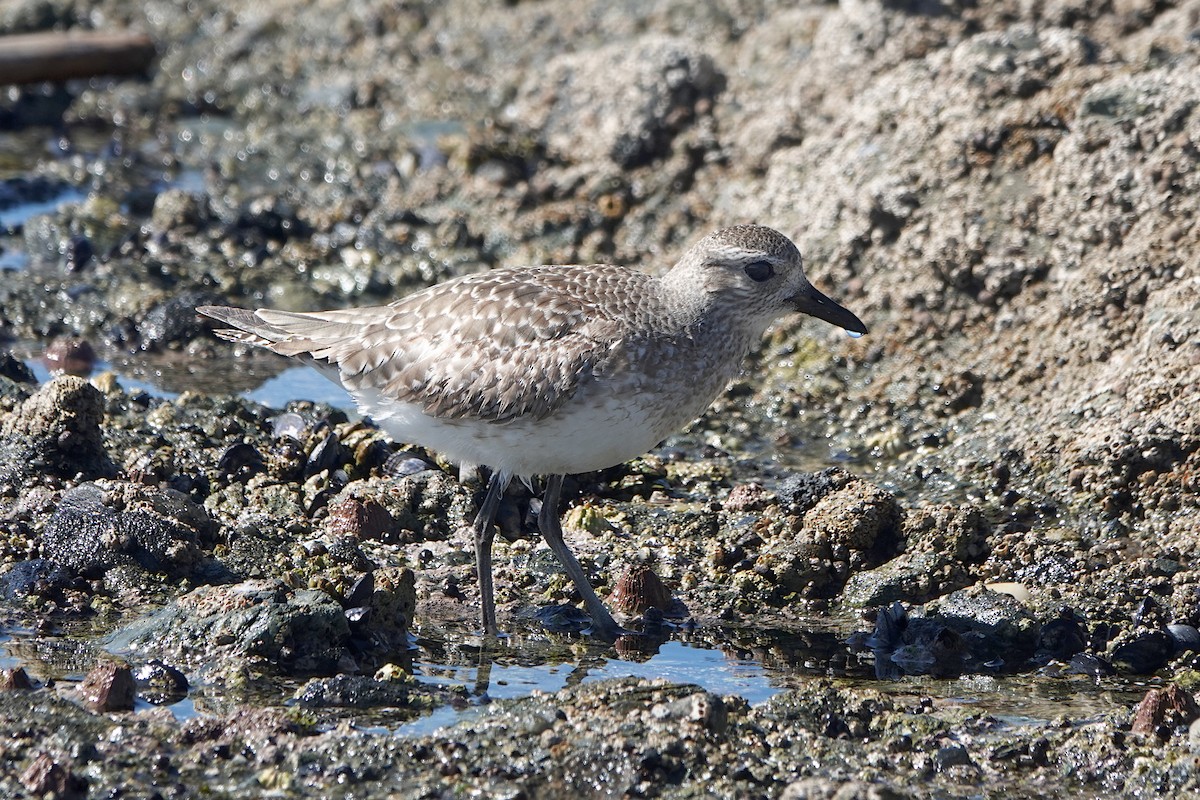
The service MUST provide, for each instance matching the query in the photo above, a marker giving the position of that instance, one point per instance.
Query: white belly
(587, 433)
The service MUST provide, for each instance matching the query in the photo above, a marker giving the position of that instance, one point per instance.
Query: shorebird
(551, 370)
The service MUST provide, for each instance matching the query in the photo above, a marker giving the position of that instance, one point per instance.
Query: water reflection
(269, 381)
(754, 665)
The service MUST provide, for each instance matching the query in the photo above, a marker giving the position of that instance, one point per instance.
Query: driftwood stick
(57, 56)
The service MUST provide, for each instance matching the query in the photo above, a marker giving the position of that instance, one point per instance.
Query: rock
(827, 524)
(35, 576)
(255, 624)
(175, 320)
(621, 103)
(703, 708)
(362, 519)
(859, 516)
(176, 210)
(803, 490)
(940, 543)
(14, 679)
(160, 683)
(911, 578)
(996, 628)
(424, 505)
(109, 687)
(904, 645)
(56, 432)
(747, 497)
(16, 379)
(955, 533)
(1166, 708)
(393, 603)
(44, 777)
(954, 755)
(1018, 61)
(827, 789)
(352, 691)
(97, 526)
(797, 565)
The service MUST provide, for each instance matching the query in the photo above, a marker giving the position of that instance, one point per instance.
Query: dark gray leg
(603, 625)
(484, 533)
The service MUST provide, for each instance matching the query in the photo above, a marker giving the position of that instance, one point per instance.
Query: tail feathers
(320, 336)
(247, 327)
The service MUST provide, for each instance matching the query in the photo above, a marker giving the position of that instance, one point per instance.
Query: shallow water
(127, 382)
(753, 664)
(678, 662)
(21, 213)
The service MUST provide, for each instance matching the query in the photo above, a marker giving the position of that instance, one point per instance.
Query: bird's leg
(603, 625)
(484, 533)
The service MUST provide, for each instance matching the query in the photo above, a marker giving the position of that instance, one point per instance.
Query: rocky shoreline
(1006, 193)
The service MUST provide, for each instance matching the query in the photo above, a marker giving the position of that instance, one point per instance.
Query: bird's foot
(606, 629)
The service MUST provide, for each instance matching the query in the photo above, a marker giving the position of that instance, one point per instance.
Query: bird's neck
(701, 318)
(684, 302)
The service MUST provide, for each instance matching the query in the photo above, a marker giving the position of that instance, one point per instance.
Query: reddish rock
(14, 679)
(1170, 707)
(70, 356)
(363, 519)
(47, 778)
(109, 687)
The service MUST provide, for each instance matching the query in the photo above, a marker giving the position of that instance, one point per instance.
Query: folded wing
(492, 346)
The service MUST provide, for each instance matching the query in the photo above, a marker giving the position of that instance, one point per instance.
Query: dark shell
(404, 463)
(361, 592)
(1088, 664)
(77, 253)
(1185, 637)
(329, 454)
(1062, 638)
(1144, 653)
(358, 616)
(241, 459)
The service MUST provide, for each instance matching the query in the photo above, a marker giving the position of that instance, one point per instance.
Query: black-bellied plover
(551, 370)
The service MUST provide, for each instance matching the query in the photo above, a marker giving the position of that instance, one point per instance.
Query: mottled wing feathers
(493, 346)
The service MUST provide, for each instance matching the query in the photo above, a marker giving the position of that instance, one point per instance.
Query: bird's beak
(809, 301)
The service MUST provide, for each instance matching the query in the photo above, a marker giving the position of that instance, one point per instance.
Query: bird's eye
(759, 271)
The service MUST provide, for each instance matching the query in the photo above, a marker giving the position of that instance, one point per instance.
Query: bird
(551, 370)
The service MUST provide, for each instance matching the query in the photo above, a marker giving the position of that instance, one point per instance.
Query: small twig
(57, 56)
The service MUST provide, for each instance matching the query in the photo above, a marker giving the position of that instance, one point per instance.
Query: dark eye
(759, 271)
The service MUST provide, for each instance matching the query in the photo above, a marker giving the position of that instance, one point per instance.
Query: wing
(494, 346)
